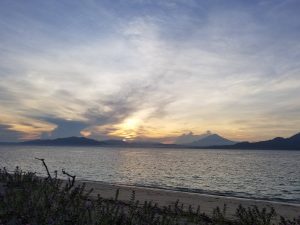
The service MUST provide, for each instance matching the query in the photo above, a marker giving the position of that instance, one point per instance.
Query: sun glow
(128, 129)
(86, 133)
(131, 124)
(31, 129)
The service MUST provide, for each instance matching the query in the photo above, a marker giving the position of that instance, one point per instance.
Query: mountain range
(190, 137)
(212, 139)
(202, 140)
(206, 141)
(291, 143)
(82, 141)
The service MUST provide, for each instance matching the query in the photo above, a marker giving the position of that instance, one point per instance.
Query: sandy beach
(168, 197)
(207, 202)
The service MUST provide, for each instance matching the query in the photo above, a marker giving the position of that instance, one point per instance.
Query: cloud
(190, 137)
(9, 135)
(64, 128)
(173, 65)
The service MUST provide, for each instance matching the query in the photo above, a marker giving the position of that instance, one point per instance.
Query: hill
(188, 138)
(69, 141)
(292, 143)
(211, 140)
(82, 141)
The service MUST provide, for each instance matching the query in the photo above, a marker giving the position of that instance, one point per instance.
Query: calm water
(273, 175)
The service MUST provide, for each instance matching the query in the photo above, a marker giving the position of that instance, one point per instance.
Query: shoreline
(194, 191)
(165, 197)
(207, 202)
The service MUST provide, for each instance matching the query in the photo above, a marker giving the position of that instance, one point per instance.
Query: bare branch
(71, 182)
(45, 165)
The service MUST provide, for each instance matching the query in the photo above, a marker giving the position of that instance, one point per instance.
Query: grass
(27, 199)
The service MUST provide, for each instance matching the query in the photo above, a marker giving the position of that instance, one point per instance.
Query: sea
(272, 175)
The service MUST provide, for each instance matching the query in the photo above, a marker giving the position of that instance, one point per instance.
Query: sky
(149, 70)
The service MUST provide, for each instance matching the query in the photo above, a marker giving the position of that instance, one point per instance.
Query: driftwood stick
(45, 165)
(71, 182)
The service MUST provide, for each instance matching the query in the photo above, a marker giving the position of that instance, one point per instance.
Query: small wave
(231, 194)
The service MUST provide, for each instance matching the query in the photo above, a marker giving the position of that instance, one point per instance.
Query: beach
(74, 199)
(207, 202)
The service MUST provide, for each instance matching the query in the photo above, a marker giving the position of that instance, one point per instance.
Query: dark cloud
(131, 98)
(65, 128)
(7, 135)
(109, 112)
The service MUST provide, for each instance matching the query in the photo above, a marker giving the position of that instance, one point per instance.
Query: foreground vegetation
(26, 199)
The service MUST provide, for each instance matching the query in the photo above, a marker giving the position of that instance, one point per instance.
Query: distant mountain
(292, 143)
(206, 140)
(69, 141)
(190, 137)
(82, 141)
(212, 140)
